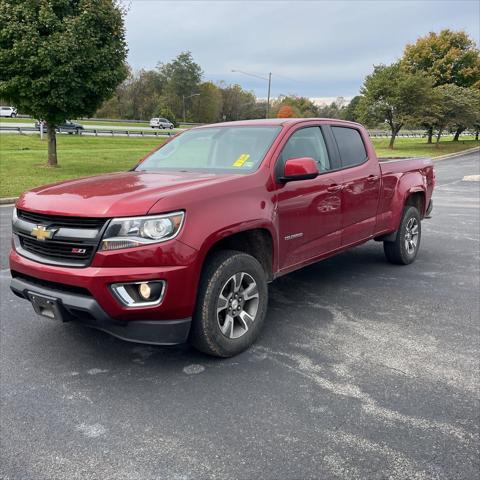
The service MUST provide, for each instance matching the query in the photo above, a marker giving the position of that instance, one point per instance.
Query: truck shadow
(297, 302)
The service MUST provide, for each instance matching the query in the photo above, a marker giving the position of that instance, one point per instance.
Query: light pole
(269, 80)
(186, 98)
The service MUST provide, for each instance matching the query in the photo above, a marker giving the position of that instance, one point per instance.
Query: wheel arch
(256, 241)
(415, 197)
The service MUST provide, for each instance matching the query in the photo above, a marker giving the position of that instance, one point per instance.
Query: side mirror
(304, 168)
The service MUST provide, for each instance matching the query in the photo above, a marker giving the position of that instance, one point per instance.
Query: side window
(350, 145)
(307, 142)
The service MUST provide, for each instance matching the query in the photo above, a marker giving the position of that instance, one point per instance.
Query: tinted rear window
(350, 145)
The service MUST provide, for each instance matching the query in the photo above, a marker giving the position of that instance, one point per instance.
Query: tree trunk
(476, 135)
(52, 145)
(392, 139)
(440, 131)
(395, 130)
(457, 133)
(429, 134)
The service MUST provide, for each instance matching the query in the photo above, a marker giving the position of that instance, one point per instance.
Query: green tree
(207, 106)
(350, 111)
(239, 104)
(447, 57)
(181, 78)
(60, 59)
(392, 95)
(455, 107)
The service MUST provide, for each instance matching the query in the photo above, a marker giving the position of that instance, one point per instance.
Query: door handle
(372, 178)
(334, 188)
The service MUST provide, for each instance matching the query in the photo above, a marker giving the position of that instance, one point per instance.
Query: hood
(113, 195)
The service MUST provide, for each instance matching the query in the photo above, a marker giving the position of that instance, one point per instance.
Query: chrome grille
(73, 243)
(57, 249)
(61, 221)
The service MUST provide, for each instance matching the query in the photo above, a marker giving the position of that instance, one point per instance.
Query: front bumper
(82, 308)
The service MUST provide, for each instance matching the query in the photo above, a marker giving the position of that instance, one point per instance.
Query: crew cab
(182, 247)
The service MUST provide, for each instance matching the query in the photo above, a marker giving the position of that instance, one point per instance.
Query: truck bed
(391, 165)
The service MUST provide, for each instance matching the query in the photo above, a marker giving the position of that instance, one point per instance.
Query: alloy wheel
(237, 305)
(411, 235)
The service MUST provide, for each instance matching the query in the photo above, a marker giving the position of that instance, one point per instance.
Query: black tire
(404, 249)
(206, 334)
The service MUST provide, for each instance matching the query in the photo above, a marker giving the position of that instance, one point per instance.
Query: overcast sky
(314, 48)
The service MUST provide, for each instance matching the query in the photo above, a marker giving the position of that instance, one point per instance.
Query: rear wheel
(231, 305)
(404, 249)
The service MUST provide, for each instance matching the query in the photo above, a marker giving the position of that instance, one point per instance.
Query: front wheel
(404, 249)
(231, 304)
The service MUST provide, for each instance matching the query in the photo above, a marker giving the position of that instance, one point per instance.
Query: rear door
(309, 211)
(361, 184)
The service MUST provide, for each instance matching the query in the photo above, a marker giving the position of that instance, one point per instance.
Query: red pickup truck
(182, 247)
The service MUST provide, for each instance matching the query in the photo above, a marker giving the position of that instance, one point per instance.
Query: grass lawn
(16, 120)
(418, 147)
(23, 157)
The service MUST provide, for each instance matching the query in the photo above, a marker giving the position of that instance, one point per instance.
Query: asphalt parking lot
(364, 370)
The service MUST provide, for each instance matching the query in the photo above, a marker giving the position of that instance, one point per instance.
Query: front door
(309, 211)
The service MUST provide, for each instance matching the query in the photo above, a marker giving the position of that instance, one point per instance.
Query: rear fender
(408, 185)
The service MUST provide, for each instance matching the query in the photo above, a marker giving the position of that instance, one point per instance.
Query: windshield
(214, 149)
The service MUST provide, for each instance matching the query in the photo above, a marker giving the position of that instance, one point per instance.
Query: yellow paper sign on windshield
(241, 160)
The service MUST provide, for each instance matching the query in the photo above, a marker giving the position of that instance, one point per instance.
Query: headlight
(137, 231)
(14, 215)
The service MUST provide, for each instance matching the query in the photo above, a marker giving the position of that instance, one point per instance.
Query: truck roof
(274, 122)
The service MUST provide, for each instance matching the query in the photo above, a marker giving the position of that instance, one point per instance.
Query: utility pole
(268, 96)
(269, 80)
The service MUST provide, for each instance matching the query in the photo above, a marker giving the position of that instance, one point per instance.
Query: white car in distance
(8, 112)
(161, 123)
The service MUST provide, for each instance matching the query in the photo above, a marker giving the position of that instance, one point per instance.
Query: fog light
(145, 290)
(139, 294)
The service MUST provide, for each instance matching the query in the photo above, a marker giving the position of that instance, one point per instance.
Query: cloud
(313, 48)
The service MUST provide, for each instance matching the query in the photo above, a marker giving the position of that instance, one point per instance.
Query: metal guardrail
(95, 131)
(408, 134)
(163, 133)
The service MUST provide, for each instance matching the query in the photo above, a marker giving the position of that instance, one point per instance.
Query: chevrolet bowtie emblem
(42, 233)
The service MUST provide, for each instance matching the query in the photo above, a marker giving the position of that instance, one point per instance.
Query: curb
(12, 200)
(8, 200)
(456, 154)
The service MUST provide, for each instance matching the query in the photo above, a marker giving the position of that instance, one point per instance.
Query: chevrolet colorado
(182, 247)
